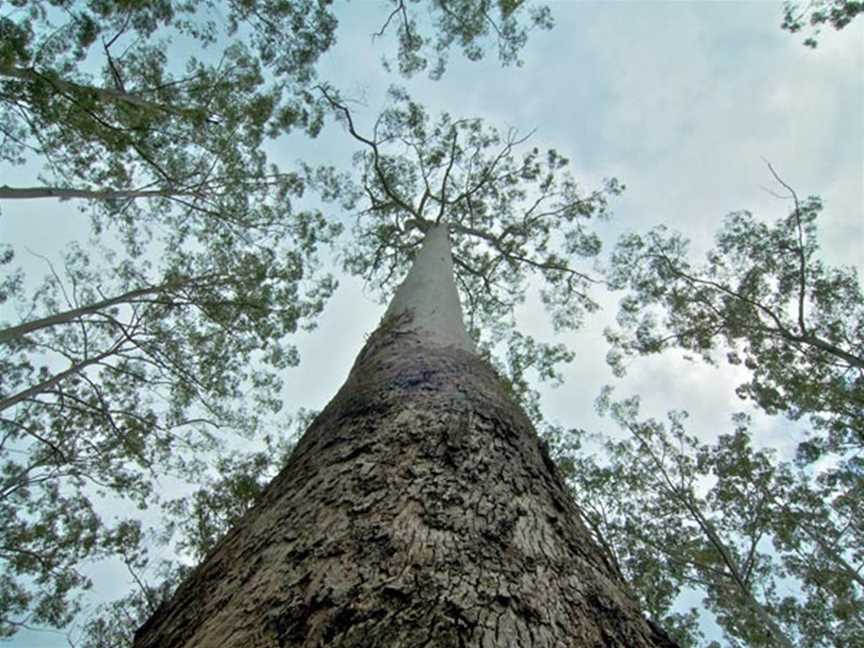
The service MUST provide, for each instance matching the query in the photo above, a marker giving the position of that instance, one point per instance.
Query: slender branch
(443, 199)
(26, 193)
(829, 551)
(708, 529)
(13, 332)
(57, 378)
(780, 329)
(400, 7)
(496, 243)
(802, 261)
(375, 152)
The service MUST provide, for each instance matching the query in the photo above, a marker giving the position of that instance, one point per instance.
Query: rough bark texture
(419, 509)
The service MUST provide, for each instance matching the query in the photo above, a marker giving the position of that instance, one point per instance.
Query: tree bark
(29, 193)
(419, 509)
(19, 330)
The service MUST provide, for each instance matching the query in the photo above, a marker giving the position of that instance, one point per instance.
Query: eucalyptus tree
(764, 300)
(773, 551)
(90, 92)
(515, 213)
(106, 97)
(419, 508)
(465, 23)
(147, 126)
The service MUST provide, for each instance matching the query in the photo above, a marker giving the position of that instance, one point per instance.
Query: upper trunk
(419, 509)
(429, 295)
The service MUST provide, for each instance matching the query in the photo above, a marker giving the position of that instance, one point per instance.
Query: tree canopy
(464, 23)
(109, 390)
(88, 90)
(515, 215)
(737, 522)
(766, 299)
(166, 334)
(773, 548)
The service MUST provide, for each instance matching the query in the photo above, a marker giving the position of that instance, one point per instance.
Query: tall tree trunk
(419, 509)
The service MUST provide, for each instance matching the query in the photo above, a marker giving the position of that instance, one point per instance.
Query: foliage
(777, 564)
(746, 524)
(47, 532)
(179, 141)
(767, 299)
(512, 215)
(151, 139)
(201, 520)
(114, 624)
(466, 22)
(815, 13)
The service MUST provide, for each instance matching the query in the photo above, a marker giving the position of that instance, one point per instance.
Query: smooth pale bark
(419, 509)
(12, 332)
(429, 294)
(29, 193)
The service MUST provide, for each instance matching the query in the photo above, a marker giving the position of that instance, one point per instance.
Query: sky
(681, 101)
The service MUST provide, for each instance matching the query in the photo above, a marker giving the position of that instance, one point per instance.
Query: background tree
(119, 390)
(776, 563)
(152, 140)
(180, 142)
(775, 307)
(147, 127)
(465, 23)
(114, 624)
(766, 300)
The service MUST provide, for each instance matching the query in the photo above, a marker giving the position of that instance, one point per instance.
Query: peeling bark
(419, 509)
